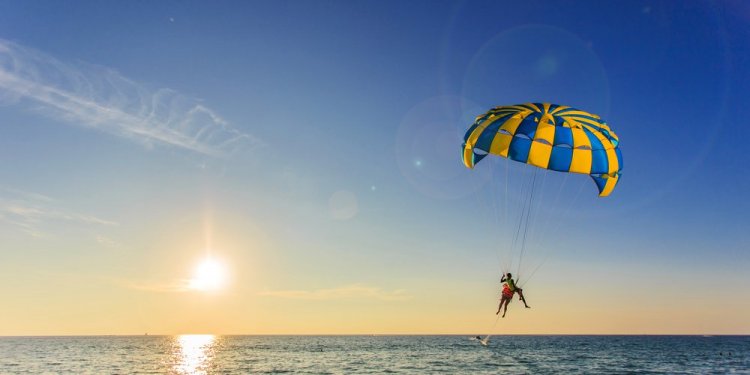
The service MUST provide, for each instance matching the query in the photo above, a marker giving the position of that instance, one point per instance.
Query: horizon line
(376, 334)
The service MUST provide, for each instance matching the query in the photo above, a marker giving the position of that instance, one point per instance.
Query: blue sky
(319, 142)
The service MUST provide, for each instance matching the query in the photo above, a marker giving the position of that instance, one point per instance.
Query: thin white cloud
(179, 286)
(103, 99)
(108, 242)
(29, 213)
(25, 194)
(355, 291)
(32, 212)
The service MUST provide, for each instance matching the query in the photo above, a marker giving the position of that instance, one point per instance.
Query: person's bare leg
(522, 298)
(506, 307)
(503, 300)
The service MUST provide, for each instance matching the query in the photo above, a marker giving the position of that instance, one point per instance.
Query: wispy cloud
(108, 242)
(26, 194)
(31, 212)
(179, 286)
(355, 291)
(105, 100)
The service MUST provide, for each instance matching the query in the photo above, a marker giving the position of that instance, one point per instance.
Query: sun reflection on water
(193, 353)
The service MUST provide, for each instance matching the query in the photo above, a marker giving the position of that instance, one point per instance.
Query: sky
(312, 150)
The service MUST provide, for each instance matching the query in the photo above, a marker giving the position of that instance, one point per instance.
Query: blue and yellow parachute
(548, 136)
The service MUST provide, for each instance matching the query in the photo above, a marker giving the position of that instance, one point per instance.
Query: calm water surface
(207, 354)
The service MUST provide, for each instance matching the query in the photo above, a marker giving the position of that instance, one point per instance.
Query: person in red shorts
(509, 289)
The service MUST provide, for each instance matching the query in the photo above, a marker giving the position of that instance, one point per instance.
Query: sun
(209, 275)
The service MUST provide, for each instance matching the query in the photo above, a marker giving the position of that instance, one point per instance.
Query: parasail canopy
(548, 136)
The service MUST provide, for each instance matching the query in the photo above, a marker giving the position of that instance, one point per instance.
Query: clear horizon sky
(312, 149)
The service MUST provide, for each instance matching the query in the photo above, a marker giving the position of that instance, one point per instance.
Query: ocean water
(207, 354)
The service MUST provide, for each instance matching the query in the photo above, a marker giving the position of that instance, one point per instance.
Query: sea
(212, 354)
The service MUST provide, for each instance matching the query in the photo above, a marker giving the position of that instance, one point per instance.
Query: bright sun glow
(209, 275)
